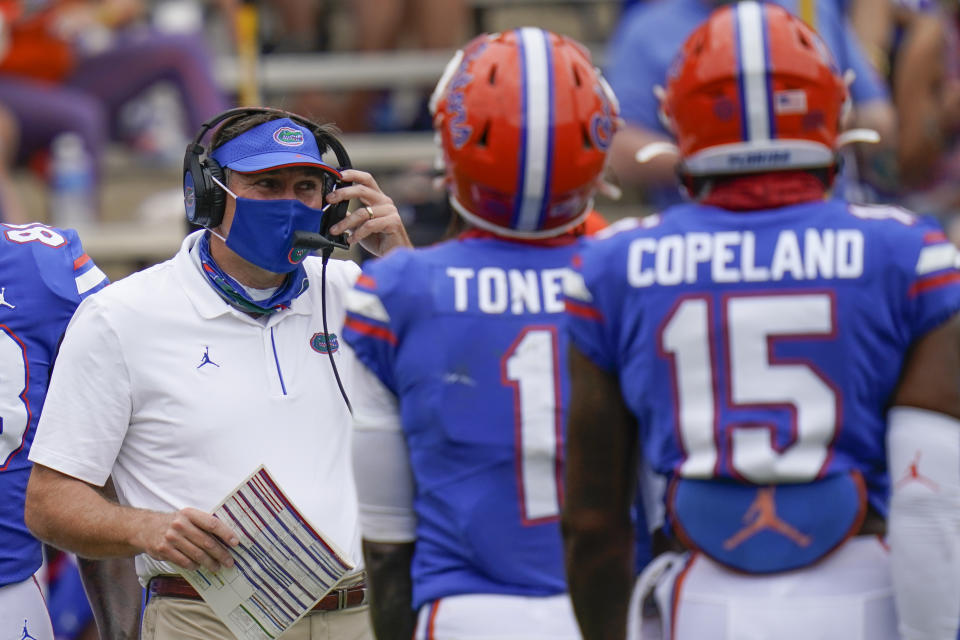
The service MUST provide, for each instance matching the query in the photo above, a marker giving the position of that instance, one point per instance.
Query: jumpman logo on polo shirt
(3, 302)
(26, 634)
(762, 514)
(206, 359)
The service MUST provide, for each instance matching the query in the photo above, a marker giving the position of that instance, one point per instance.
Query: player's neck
(765, 191)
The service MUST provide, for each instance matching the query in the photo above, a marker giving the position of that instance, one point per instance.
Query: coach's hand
(376, 224)
(190, 538)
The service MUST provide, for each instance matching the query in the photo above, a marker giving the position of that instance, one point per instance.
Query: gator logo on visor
(288, 137)
(324, 342)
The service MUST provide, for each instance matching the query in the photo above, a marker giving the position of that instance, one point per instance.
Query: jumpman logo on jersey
(761, 515)
(913, 475)
(206, 359)
(3, 301)
(26, 634)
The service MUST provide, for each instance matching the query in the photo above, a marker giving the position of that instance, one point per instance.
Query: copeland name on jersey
(731, 256)
(738, 317)
(765, 346)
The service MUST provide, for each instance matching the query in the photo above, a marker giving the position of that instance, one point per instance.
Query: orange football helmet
(524, 122)
(754, 89)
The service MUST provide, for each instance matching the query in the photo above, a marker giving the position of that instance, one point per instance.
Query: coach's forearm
(391, 589)
(72, 515)
(113, 590)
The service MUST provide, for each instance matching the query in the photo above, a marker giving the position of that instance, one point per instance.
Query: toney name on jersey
(516, 291)
(733, 256)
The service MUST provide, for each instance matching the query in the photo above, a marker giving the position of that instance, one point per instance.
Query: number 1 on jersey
(530, 367)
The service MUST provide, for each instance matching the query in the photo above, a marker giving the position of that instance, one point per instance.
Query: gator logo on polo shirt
(324, 342)
(288, 137)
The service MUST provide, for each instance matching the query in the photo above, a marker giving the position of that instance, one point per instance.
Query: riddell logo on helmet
(758, 159)
(288, 137)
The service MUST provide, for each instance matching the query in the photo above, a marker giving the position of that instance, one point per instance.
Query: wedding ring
(369, 212)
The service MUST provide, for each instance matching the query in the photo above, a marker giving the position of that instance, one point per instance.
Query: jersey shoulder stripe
(88, 276)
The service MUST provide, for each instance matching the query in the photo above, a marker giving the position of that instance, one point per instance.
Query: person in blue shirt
(787, 361)
(458, 465)
(44, 274)
(638, 58)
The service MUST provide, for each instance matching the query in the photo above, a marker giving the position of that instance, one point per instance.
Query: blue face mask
(262, 231)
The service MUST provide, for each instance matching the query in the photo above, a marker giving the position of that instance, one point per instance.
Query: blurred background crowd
(98, 99)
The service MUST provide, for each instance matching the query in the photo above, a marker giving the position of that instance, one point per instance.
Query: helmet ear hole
(585, 137)
(484, 133)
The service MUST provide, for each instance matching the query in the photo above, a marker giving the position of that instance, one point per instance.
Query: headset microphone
(313, 241)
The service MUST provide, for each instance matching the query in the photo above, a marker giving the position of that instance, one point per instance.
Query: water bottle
(72, 183)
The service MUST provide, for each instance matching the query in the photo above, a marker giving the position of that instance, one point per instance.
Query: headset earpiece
(217, 196)
(204, 201)
(338, 211)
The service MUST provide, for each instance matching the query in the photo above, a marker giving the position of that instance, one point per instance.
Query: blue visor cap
(272, 145)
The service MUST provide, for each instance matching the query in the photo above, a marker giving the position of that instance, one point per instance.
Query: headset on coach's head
(205, 202)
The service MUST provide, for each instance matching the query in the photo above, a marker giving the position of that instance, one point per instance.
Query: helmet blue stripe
(536, 130)
(551, 121)
(522, 160)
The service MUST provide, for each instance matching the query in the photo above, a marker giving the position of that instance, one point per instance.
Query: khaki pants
(182, 619)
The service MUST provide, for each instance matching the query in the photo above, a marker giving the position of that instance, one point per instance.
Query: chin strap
(923, 450)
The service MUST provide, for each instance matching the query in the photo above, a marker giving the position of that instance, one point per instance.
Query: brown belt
(177, 587)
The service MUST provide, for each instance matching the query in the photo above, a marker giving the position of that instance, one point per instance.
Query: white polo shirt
(180, 396)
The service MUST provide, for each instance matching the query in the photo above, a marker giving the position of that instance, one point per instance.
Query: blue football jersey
(44, 274)
(762, 348)
(468, 335)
